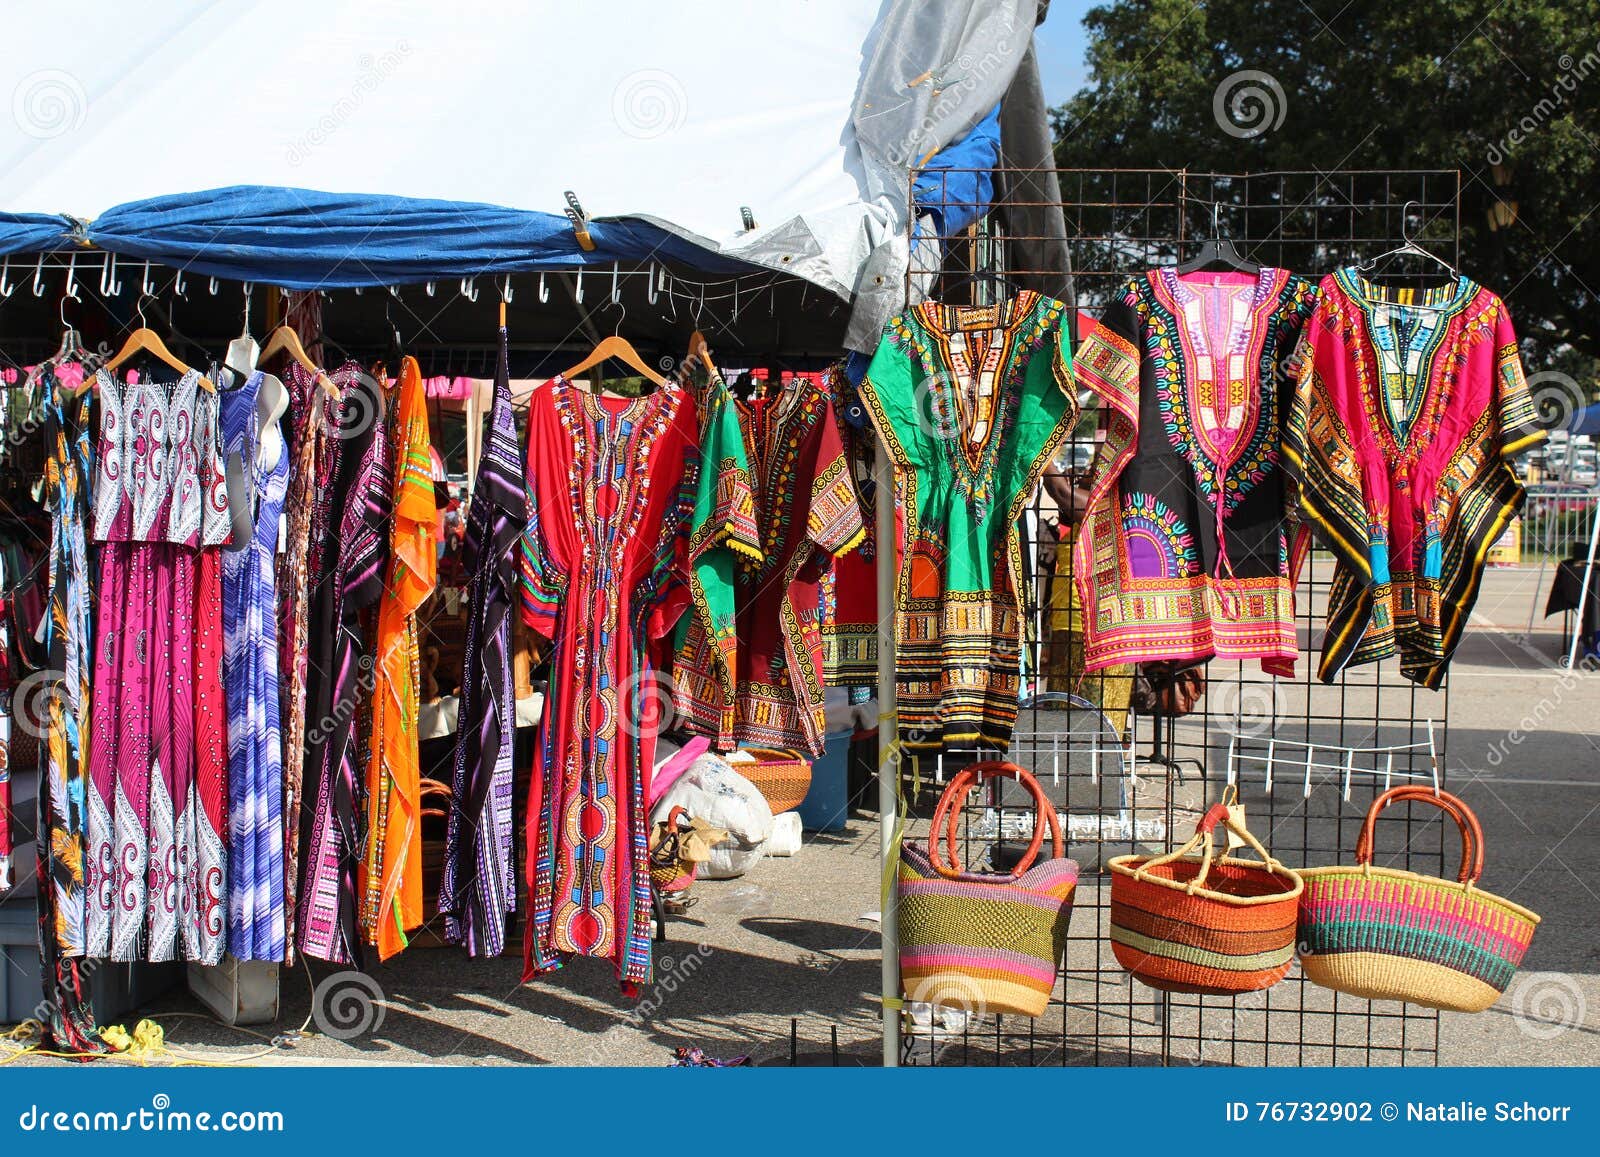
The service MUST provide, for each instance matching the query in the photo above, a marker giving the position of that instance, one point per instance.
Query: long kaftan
(605, 567)
(477, 889)
(250, 681)
(971, 402)
(158, 739)
(1409, 410)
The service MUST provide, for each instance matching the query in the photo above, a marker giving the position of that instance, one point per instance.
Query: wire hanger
(1408, 247)
(1219, 252)
(71, 341)
(146, 340)
(622, 350)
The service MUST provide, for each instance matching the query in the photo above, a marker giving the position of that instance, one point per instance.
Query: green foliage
(1379, 84)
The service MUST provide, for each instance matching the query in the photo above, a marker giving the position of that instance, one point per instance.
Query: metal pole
(888, 755)
(1583, 593)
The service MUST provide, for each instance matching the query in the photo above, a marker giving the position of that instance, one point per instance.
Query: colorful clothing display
(722, 528)
(605, 567)
(971, 402)
(478, 890)
(392, 884)
(347, 578)
(250, 684)
(850, 588)
(309, 407)
(1184, 554)
(157, 860)
(61, 894)
(1409, 408)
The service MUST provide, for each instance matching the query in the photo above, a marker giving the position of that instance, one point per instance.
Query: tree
(1376, 84)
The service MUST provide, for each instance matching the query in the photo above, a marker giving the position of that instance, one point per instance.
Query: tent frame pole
(888, 754)
(1583, 590)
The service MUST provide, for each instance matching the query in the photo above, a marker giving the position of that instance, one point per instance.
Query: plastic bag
(712, 791)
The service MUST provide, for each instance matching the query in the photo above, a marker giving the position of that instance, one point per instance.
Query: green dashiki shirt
(723, 527)
(971, 402)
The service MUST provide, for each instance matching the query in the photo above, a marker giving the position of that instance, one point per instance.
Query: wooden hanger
(699, 349)
(621, 349)
(286, 340)
(146, 340)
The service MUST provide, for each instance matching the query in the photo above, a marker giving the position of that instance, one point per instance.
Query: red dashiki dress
(1184, 554)
(1409, 410)
(850, 589)
(807, 510)
(604, 576)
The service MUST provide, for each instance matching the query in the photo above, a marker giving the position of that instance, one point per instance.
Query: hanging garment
(604, 578)
(66, 655)
(1184, 552)
(1409, 410)
(477, 889)
(158, 747)
(1109, 689)
(347, 577)
(722, 530)
(313, 411)
(250, 684)
(971, 403)
(392, 884)
(850, 588)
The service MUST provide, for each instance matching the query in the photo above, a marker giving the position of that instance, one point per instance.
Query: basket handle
(1204, 838)
(1453, 806)
(947, 818)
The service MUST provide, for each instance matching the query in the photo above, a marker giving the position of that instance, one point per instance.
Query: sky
(1060, 42)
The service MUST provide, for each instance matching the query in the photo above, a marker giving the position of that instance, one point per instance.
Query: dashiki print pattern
(1409, 410)
(477, 889)
(158, 748)
(971, 402)
(850, 588)
(391, 896)
(721, 530)
(1184, 555)
(605, 565)
(61, 895)
(352, 566)
(250, 681)
(308, 410)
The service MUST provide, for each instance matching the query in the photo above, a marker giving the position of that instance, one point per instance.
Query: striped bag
(1203, 923)
(983, 942)
(1387, 934)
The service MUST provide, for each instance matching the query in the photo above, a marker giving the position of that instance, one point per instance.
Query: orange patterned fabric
(392, 880)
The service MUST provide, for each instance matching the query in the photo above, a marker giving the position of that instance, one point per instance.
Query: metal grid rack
(1308, 758)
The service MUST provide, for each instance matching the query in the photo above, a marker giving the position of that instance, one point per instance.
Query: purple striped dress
(349, 579)
(250, 680)
(478, 886)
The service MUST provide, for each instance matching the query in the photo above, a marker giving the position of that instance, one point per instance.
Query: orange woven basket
(1208, 924)
(782, 777)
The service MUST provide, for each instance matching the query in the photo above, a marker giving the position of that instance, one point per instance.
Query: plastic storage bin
(827, 805)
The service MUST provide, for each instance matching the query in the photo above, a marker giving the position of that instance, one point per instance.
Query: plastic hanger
(1219, 251)
(622, 350)
(146, 340)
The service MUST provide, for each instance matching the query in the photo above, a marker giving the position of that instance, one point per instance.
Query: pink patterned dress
(157, 862)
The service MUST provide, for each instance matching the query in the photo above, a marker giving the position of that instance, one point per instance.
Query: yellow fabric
(392, 883)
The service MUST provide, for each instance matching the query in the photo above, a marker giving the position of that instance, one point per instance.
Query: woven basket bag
(1387, 934)
(986, 943)
(1208, 924)
(782, 777)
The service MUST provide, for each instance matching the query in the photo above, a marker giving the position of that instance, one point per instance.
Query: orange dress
(392, 881)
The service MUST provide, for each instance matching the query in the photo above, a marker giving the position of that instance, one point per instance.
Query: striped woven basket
(982, 942)
(1215, 925)
(782, 777)
(1387, 934)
